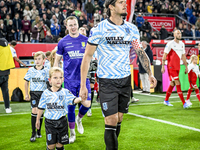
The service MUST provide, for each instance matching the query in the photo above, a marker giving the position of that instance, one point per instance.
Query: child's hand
(27, 98)
(37, 124)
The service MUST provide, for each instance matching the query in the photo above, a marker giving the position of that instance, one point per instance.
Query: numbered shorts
(57, 131)
(74, 87)
(114, 95)
(35, 98)
(173, 74)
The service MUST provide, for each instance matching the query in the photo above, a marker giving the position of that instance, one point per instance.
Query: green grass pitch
(137, 133)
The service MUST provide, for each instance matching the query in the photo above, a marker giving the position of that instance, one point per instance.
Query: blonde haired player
(193, 74)
(37, 76)
(55, 101)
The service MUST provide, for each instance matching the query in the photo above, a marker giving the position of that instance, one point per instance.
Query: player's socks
(71, 116)
(180, 93)
(189, 93)
(169, 92)
(92, 95)
(197, 94)
(60, 148)
(110, 137)
(82, 111)
(33, 121)
(118, 128)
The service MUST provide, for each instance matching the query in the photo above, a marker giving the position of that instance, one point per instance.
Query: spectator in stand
(186, 32)
(163, 33)
(180, 27)
(58, 15)
(140, 21)
(146, 27)
(49, 14)
(82, 21)
(43, 31)
(97, 17)
(34, 13)
(19, 10)
(27, 13)
(183, 5)
(70, 9)
(150, 8)
(26, 28)
(157, 5)
(63, 30)
(49, 38)
(6, 20)
(35, 34)
(196, 11)
(46, 21)
(197, 24)
(145, 6)
(194, 32)
(170, 10)
(140, 8)
(52, 10)
(193, 18)
(48, 4)
(77, 12)
(153, 36)
(175, 10)
(10, 31)
(37, 20)
(96, 6)
(3, 12)
(62, 6)
(42, 10)
(63, 16)
(89, 7)
(55, 30)
(164, 9)
(144, 37)
(18, 25)
(188, 12)
(53, 19)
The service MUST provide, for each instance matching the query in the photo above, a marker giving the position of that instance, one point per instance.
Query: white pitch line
(166, 122)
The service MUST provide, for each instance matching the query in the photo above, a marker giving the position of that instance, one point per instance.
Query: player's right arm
(89, 51)
(27, 78)
(59, 54)
(19, 61)
(57, 60)
(163, 62)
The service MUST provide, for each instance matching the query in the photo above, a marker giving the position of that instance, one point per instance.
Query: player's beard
(124, 14)
(178, 38)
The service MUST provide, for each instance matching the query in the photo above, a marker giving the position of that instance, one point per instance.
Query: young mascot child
(193, 74)
(54, 101)
(37, 76)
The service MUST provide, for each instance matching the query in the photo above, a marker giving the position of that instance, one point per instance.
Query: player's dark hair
(107, 3)
(13, 43)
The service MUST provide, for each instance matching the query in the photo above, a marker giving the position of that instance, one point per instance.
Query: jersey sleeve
(135, 44)
(69, 97)
(42, 102)
(60, 48)
(14, 54)
(28, 75)
(47, 75)
(95, 36)
(183, 48)
(167, 48)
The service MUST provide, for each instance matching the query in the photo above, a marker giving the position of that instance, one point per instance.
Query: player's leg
(83, 109)
(33, 121)
(142, 79)
(70, 85)
(147, 83)
(197, 92)
(38, 134)
(51, 147)
(59, 146)
(188, 94)
(180, 93)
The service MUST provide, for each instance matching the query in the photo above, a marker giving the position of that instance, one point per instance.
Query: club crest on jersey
(105, 106)
(83, 44)
(61, 97)
(33, 102)
(49, 137)
(127, 30)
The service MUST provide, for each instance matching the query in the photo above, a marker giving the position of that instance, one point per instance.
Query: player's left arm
(144, 60)
(39, 114)
(185, 63)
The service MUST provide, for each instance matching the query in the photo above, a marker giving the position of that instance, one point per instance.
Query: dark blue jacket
(19, 24)
(150, 55)
(193, 19)
(138, 20)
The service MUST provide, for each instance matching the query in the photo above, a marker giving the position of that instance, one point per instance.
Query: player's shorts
(92, 78)
(173, 74)
(74, 87)
(114, 95)
(35, 98)
(57, 131)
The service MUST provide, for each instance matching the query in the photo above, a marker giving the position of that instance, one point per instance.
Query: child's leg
(39, 131)
(59, 146)
(33, 121)
(189, 93)
(51, 147)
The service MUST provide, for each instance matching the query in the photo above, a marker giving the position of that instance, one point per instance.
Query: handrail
(184, 37)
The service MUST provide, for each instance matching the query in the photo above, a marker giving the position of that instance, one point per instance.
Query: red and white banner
(130, 9)
(157, 22)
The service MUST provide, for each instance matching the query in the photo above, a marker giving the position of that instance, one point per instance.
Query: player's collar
(113, 22)
(40, 69)
(49, 88)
